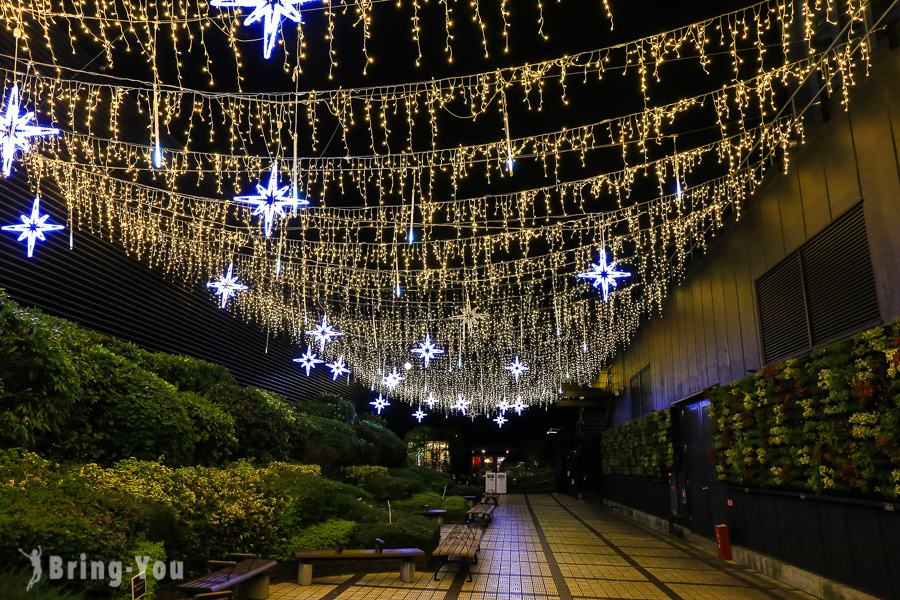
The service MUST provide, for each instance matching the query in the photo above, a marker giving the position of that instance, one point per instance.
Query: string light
(270, 201)
(604, 274)
(324, 333)
(517, 368)
(427, 351)
(338, 368)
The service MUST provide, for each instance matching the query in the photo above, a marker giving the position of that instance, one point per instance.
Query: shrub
(389, 450)
(358, 475)
(331, 444)
(216, 433)
(384, 487)
(264, 423)
(465, 490)
(328, 406)
(185, 373)
(429, 478)
(324, 536)
(418, 502)
(407, 531)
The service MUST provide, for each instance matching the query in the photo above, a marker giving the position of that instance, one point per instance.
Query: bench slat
(229, 576)
(392, 553)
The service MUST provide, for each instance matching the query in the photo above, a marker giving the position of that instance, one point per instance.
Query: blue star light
(324, 333)
(427, 350)
(516, 368)
(500, 420)
(393, 379)
(271, 12)
(308, 360)
(518, 406)
(461, 404)
(271, 201)
(380, 402)
(15, 131)
(227, 286)
(419, 415)
(604, 275)
(32, 228)
(338, 368)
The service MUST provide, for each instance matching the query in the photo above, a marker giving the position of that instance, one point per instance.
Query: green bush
(384, 487)
(331, 444)
(418, 502)
(324, 536)
(640, 448)
(429, 478)
(14, 582)
(266, 427)
(406, 531)
(358, 475)
(185, 373)
(389, 450)
(216, 432)
(465, 490)
(825, 423)
(328, 406)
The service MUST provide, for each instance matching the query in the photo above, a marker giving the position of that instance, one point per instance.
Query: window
(822, 292)
(641, 393)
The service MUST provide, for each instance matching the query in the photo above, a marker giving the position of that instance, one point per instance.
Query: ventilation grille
(822, 292)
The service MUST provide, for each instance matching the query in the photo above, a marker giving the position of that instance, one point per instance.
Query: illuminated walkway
(542, 546)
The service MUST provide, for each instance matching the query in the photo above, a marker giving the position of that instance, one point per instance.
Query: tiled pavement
(553, 547)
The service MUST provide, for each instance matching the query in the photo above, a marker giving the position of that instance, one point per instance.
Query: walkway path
(553, 547)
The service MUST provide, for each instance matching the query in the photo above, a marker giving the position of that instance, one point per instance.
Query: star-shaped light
(516, 368)
(461, 404)
(500, 420)
(32, 228)
(604, 275)
(431, 401)
(379, 403)
(271, 12)
(519, 406)
(324, 333)
(271, 201)
(227, 286)
(419, 415)
(503, 406)
(338, 368)
(469, 317)
(393, 379)
(15, 130)
(308, 361)
(427, 350)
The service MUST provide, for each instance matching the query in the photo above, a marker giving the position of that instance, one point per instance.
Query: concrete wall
(709, 329)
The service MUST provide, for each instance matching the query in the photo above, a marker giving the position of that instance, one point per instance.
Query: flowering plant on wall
(640, 448)
(827, 423)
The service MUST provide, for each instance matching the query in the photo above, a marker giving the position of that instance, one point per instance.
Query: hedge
(825, 423)
(643, 447)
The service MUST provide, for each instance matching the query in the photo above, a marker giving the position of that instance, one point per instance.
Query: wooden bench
(482, 511)
(248, 577)
(407, 555)
(462, 542)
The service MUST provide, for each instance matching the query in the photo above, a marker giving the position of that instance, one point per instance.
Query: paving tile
(542, 547)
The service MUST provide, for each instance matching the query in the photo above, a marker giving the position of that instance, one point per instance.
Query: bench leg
(256, 588)
(304, 574)
(438, 570)
(407, 571)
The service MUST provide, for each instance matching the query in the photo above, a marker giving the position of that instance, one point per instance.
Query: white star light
(431, 401)
(427, 350)
(516, 368)
(604, 275)
(338, 368)
(503, 406)
(271, 201)
(380, 402)
(308, 361)
(519, 406)
(271, 12)
(32, 228)
(324, 333)
(15, 130)
(469, 318)
(419, 415)
(500, 420)
(393, 379)
(461, 404)
(227, 286)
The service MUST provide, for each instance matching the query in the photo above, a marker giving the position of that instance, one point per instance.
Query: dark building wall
(708, 332)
